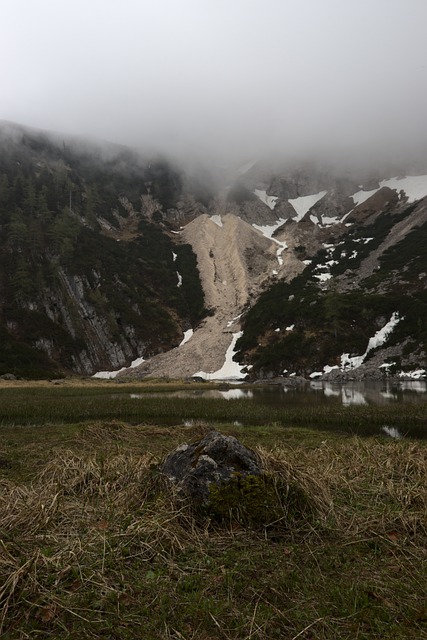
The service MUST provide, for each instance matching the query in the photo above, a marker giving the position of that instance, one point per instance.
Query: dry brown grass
(101, 521)
(389, 479)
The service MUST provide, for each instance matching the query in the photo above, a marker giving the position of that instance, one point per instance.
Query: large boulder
(216, 459)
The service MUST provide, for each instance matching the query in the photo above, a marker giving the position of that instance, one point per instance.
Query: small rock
(213, 459)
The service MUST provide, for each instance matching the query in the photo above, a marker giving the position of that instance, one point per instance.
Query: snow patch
(417, 374)
(415, 187)
(323, 277)
(233, 320)
(270, 201)
(217, 220)
(376, 341)
(187, 335)
(327, 221)
(362, 196)
(304, 204)
(267, 230)
(326, 267)
(230, 370)
(328, 369)
(108, 375)
(279, 252)
(179, 279)
(386, 365)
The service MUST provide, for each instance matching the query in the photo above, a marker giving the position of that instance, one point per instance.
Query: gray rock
(213, 459)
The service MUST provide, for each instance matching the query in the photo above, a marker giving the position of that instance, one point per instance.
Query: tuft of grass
(282, 499)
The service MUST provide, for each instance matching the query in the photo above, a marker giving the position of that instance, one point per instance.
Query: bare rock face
(213, 459)
(367, 211)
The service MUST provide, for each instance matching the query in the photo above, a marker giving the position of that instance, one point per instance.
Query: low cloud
(223, 80)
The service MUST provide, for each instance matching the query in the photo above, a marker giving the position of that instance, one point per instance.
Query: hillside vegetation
(341, 314)
(88, 278)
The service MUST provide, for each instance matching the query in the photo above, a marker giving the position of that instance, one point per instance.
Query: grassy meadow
(95, 544)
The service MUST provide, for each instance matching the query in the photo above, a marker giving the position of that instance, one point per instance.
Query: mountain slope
(109, 258)
(304, 294)
(368, 269)
(233, 259)
(88, 267)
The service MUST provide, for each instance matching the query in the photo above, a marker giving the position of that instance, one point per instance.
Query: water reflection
(314, 392)
(392, 432)
(352, 396)
(373, 392)
(232, 394)
(415, 385)
(228, 394)
(328, 390)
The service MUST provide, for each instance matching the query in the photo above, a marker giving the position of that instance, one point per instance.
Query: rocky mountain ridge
(329, 245)
(110, 258)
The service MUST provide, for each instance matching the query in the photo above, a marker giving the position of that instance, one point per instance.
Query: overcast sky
(218, 76)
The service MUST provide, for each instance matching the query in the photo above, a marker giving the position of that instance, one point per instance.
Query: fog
(221, 79)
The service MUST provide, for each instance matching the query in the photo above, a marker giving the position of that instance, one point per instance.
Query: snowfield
(415, 188)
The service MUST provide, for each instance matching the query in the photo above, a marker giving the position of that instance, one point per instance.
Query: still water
(316, 392)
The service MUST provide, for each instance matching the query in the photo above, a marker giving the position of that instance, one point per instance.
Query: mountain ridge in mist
(106, 256)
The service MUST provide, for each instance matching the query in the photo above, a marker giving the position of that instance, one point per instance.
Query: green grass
(70, 404)
(93, 544)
